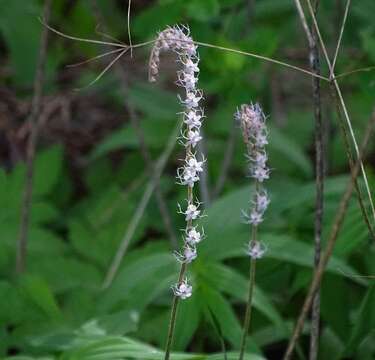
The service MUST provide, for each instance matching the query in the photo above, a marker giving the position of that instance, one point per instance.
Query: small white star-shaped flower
(193, 138)
(254, 218)
(188, 255)
(183, 290)
(188, 177)
(192, 99)
(193, 237)
(193, 119)
(195, 165)
(192, 212)
(256, 250)
(262, 201)
(260, 173)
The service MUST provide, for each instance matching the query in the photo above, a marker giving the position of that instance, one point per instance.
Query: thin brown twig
(212, 46)
(338, 221)
(335, 88)
(31, 145)
(347, 73)
(319, 200)
(319, 171)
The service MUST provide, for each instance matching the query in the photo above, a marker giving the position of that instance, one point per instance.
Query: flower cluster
(178, 40)
(252, 121)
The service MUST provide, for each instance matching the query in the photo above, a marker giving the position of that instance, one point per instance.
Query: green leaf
(22, 41)
(364, 324)
(225, 316)
(47, 171)
(140, 281)
(154, 102)
(284, 149)
(37, 290)
(203, 10)
(187, 322)
(228, 280)
(156, 134)
(119, 348)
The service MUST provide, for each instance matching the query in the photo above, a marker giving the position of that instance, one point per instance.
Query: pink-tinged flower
(183, 290)
(188, 255)
(256, 250)
(193, 119)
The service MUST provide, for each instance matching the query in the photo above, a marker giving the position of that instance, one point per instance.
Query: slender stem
(350, 156)
(340, 216)
(248, 307)
(31, 146)
(341, 34)
(246, 326)
(319, 176)
(128, 24)
(172, 321)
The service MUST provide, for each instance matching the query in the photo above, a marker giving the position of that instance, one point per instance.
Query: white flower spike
(178, 40)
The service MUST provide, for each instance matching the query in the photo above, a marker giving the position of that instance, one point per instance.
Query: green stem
(172, 321)
(248, 307)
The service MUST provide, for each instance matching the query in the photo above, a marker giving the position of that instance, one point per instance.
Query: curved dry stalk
(91, 41)
(118, 57)
(222, 48)
(95, 58)
(110, 37)
(347, 73)
(129, 33)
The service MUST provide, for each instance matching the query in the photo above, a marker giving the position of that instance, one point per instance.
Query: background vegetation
(90, 176)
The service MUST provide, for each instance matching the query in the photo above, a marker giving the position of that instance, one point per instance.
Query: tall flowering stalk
(254, 131)
(178, 40)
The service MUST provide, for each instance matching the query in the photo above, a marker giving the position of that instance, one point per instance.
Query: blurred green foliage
(58, 310)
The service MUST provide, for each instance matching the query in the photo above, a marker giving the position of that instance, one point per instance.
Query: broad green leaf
(187, 322)
(224, 313)
(235, 284)
(138, 281)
